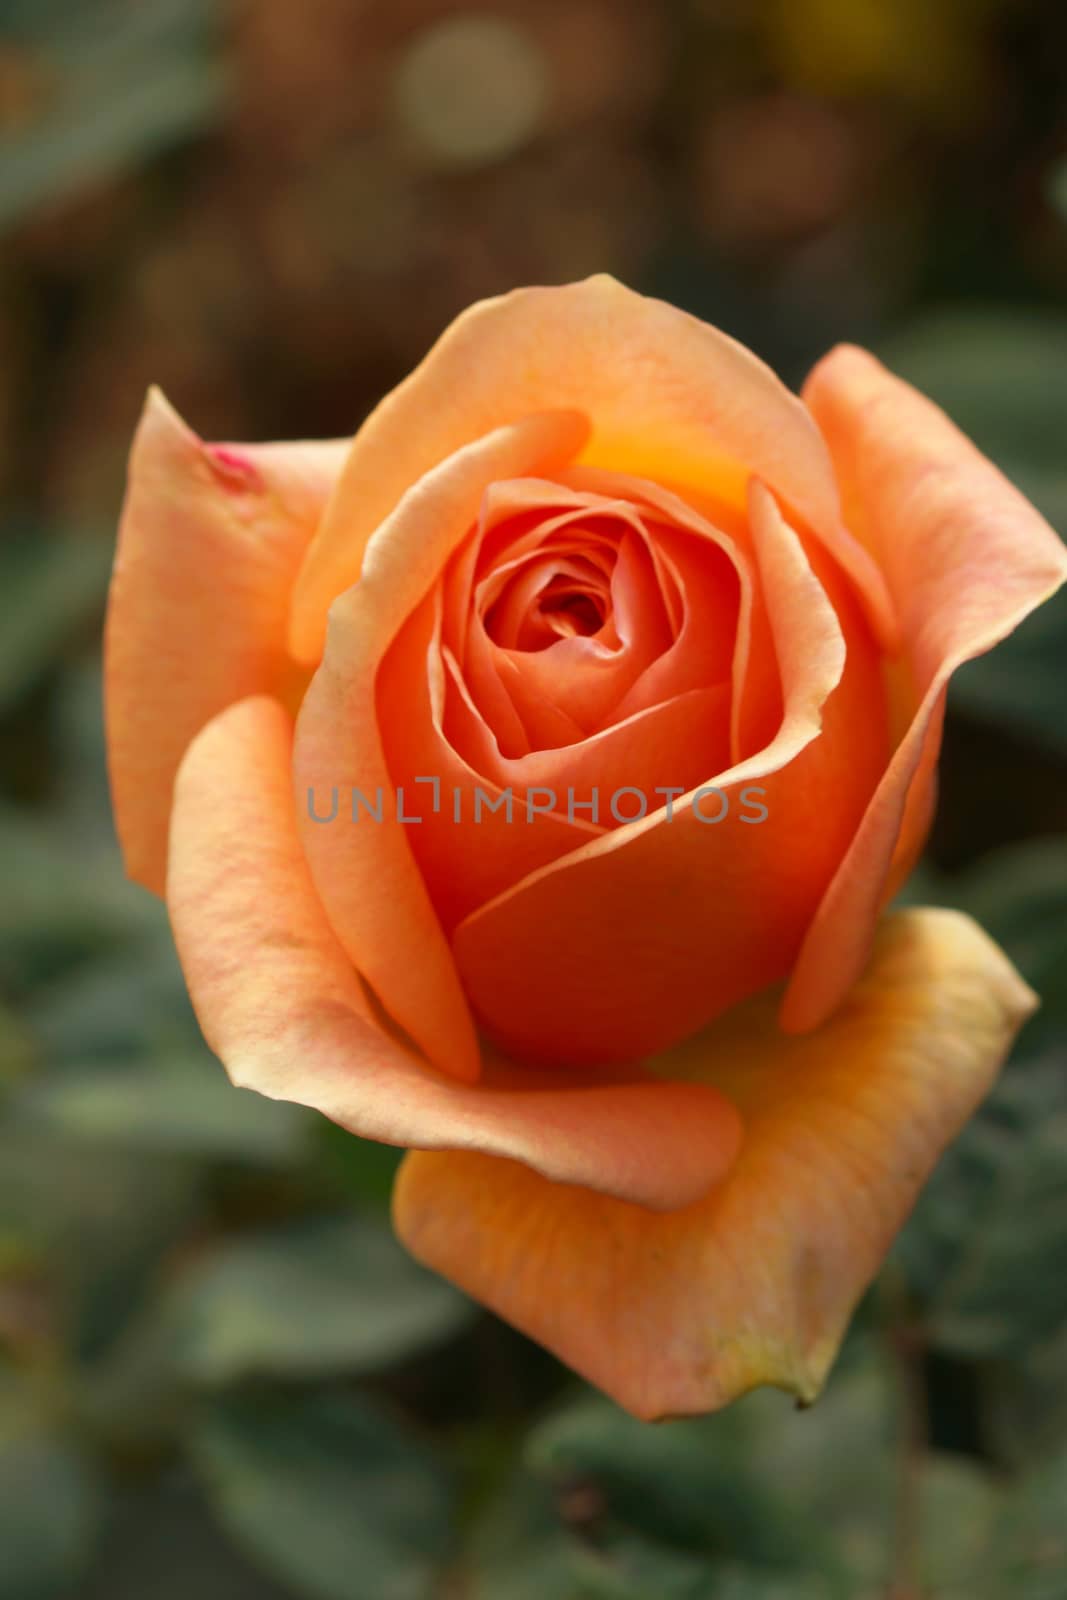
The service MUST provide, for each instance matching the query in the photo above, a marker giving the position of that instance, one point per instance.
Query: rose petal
(966, 558)
(684, 586)
(646, 933)
(470, 845)
(670, 399)
(757, 700)
(755, 1283)
(209, 545)
(365, 872)
(583, 676)
(280, 1003)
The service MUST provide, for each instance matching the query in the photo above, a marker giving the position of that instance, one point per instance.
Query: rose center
(552, 596)
(572, 611)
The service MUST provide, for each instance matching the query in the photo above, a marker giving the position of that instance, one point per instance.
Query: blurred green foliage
(219, 1374)
(108, 84)
(1003, 378)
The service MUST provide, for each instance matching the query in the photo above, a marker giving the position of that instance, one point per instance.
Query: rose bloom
(669, 1088)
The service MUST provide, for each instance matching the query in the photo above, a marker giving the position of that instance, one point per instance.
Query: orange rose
(523, 744)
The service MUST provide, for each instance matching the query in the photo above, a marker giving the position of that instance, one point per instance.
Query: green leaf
(835, 1466)
(1021, 683)
(163, 1543)
(1028, 1541)
(329, 1494)
(778, 1495)
(363, 1169)
(50, 1508)
(47, 586)
(184, 1104)
(58, 909)
(1024, 1403)
(1019, 896)
(742, 1583)
(116, 84)
(16, 1047)
(1002, 376)
(81, 805)
(957, 1505)
(99, 1217)
(635, 1569)
(520, 1548)
(686, 1484)
(529, 1544)
(981, 1245)
(762, 1502)
(334, 1295)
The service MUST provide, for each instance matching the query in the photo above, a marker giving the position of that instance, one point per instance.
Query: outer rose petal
(279, 1001)
(755, 1283)
(669, 397)
(967, 558)
(365, 873)
(209, 545)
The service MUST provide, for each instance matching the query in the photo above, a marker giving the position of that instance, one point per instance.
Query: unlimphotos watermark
(709, 805)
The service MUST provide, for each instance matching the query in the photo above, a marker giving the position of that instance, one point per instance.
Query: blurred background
(218, 1375)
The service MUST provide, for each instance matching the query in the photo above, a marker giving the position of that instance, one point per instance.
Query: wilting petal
(670, 399)
(280, 1003)
(209, 546)
(967, 558)
(755, 1283)
(366, 874)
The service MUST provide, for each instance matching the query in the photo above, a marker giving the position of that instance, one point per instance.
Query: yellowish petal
(754, 1284)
